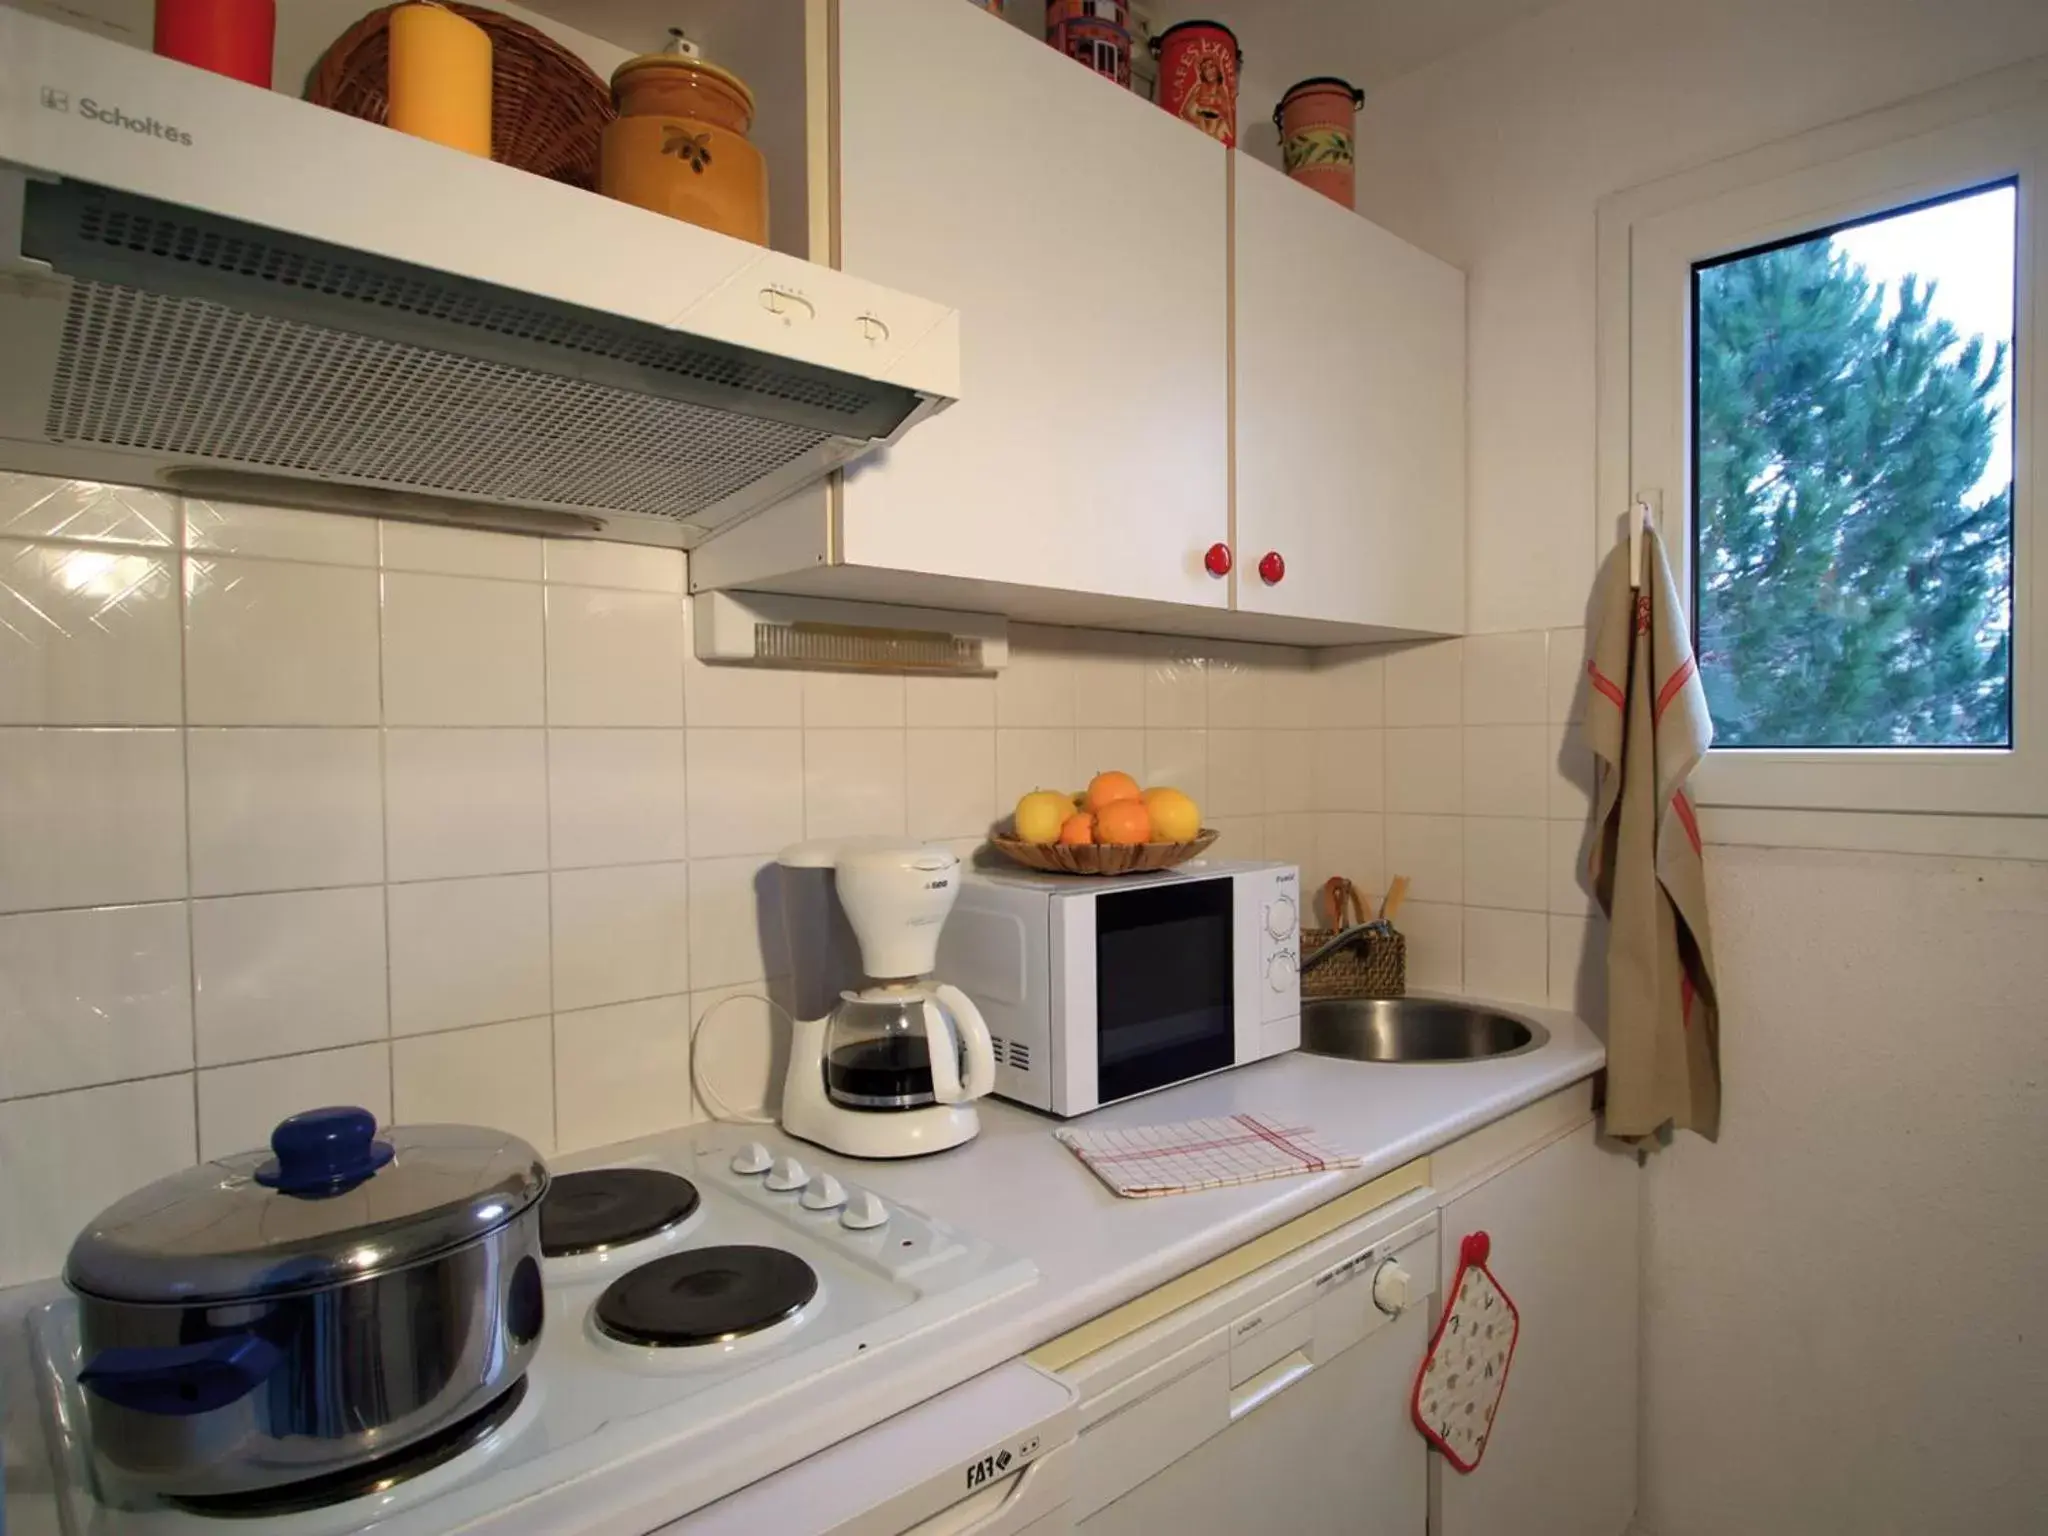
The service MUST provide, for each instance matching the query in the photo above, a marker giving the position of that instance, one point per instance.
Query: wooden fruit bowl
(1104, 858)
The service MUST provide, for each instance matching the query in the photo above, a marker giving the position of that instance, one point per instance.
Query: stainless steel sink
(1414, 1029)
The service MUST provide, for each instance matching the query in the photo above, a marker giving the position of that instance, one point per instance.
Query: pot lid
(331, 1201)
(680, 53)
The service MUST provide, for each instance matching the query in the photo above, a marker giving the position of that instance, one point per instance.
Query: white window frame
(1987, 130)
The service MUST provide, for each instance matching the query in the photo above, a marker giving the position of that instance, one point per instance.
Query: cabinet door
(1562, 1458)
(1350, 355)
(1083, 235)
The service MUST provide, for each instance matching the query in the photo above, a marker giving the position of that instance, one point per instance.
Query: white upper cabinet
(1350, 364)
(1081, 232)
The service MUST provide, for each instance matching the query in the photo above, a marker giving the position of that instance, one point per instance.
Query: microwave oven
(1097, 990)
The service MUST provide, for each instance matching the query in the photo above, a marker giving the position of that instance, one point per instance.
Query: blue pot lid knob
(323, 1152)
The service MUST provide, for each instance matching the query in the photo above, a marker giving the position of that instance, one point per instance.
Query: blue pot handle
(184, 1379)
(323, 1152)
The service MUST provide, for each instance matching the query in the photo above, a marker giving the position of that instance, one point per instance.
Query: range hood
(220, 289)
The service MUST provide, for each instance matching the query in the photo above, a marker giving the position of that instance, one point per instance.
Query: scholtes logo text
(114, 117)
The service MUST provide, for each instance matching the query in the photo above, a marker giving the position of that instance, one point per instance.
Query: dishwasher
(1270, 1393)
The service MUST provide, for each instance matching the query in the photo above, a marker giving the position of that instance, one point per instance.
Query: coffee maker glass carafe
(896, 1047)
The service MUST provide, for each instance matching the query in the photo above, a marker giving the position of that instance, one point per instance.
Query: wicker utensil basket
(1104, 858)
(1376, 965)
(547, 106)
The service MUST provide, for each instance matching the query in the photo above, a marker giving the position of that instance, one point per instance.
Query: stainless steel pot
(266, 1320)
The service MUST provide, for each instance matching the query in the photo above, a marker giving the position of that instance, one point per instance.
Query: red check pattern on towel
(1148, 1160)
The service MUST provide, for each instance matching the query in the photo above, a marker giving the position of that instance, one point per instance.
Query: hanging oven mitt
(1458, 1390)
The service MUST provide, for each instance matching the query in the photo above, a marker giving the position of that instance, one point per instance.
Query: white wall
(1838, 1334)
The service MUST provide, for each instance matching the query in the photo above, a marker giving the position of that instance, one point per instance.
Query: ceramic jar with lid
(1316, 123)
(680, 147)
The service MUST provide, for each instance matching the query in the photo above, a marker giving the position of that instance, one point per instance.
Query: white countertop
(1014, 1185)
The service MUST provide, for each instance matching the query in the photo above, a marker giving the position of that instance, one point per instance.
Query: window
(1852, 481)
(1817, 365)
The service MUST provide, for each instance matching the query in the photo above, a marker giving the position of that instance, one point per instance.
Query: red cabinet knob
(1217, 561)
(1272, 568)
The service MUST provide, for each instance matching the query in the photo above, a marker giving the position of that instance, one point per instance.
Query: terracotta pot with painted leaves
(680, 143)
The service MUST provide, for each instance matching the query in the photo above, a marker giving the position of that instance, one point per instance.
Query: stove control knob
(752, 1158)
(863, 1211)
(823, 1193)
(787, 1174)
(1390, 1288)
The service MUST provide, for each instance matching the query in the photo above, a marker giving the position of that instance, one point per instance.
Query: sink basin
(1414, 1029)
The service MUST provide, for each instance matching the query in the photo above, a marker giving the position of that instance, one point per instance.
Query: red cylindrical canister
(1093, 32)
(1198, 63)
(229, 37)
(1317, 121)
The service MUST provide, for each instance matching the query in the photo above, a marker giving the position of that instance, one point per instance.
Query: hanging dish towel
(1149, 1160)
(1646, 719)
(1457, 1391)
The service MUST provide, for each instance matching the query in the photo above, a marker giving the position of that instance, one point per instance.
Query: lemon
(1040, 813)
(1175, 817)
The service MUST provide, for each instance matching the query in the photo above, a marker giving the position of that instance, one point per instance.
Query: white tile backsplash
(284, 809)
(580, 822)
(240, 1105)
(620, 934)
(746, 791)
(463, 651)
(1507, 678)
(280, 974)
(465, 802)
(589, 563)
(951, 783)
(67, 1156)
(1505, 771)
(271, 642)
(90, 817)
(279, 533)
(616, 797)
(500, 1075)
(88, 636)
(40, 507)
(468, 952)
(624, 1071)
(93, 996)
(614, 658)
(460, 552)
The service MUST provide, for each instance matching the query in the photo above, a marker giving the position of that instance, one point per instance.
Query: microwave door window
(1164, 986)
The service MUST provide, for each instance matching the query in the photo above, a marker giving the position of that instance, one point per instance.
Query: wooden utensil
(1396, 894)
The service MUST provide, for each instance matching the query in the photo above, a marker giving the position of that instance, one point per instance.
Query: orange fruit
(1124, 821)
(1078, 830)
(1110, 787)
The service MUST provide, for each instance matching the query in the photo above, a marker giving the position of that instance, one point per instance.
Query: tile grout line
(547, 787)
(185, 764)
(384, 835)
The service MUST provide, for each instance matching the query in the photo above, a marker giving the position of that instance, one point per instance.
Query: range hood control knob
(864, 1211)
(752, 1158)
(787, 1174)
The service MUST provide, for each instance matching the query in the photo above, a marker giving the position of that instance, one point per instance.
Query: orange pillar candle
(440, 82)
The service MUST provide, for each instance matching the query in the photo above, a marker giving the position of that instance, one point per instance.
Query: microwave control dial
(1280, 917)
(1280, 971)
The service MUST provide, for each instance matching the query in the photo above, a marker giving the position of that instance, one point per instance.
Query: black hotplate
(608, 1207)
(705, 1295)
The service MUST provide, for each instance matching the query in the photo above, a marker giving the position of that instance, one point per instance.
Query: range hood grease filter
(202, 337)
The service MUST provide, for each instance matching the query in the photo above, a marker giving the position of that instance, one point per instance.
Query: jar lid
(1159, 40)
(330, 1202)
(689, 62)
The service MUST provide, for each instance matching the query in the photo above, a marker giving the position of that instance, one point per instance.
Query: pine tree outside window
(1817, 361)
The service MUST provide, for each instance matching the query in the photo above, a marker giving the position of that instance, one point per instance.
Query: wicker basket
(547, 106)
(1375, 966)
(1103, 858)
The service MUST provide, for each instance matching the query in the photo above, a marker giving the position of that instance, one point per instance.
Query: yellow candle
(441, 77)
